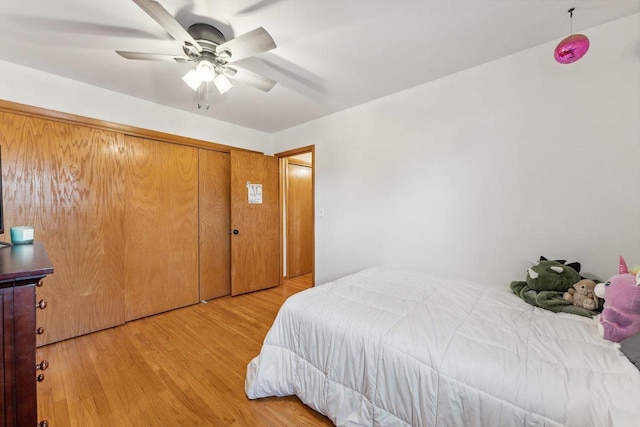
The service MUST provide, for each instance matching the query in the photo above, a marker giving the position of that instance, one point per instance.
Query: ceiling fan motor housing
(208, 38)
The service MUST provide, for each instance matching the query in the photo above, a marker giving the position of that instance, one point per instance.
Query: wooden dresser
(22, 269)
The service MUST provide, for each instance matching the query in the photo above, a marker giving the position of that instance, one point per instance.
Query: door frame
(282, 172)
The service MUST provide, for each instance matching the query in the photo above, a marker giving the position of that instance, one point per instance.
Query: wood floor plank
(181, 368)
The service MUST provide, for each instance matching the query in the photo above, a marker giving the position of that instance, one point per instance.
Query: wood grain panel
(58, 116)
(255, 251)
(299, 220)
(67, 181)
(182, 368)
(161, 227)
(214, 217)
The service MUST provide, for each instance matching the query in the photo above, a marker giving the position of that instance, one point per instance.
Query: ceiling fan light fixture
(205, 70)
(223, 84)
(192, 79)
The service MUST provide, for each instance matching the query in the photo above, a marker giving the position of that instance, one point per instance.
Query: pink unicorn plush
(621, 315)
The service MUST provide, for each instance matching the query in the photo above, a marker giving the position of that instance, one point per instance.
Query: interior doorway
(297, 219)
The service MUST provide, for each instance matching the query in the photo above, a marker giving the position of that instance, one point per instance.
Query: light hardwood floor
(181, 368)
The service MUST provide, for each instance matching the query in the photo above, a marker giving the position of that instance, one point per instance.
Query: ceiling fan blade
(250, 78)
(168, 22)
(248, 44)
(257, 7)
(152, 56)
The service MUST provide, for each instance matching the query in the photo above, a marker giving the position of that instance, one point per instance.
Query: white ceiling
(331, 54)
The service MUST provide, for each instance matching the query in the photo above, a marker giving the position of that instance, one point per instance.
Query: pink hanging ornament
(571, 48)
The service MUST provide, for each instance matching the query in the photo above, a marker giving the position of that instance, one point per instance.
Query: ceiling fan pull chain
(207, 95)
(199, 96)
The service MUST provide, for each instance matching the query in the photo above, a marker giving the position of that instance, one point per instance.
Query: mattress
(392, 348)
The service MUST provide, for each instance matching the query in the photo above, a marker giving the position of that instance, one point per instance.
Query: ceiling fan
(208, 48)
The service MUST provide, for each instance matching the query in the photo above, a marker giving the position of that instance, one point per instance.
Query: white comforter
(389, 348)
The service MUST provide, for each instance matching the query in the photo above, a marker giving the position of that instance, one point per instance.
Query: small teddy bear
(582, 295)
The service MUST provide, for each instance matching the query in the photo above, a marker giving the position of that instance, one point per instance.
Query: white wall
(32, 87)
(476, 173)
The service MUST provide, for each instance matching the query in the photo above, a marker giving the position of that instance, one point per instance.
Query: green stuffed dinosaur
(546, 283)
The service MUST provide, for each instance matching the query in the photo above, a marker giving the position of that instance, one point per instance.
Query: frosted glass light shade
(192, 79)
(571, 48)
(205, 70)
(222, 83)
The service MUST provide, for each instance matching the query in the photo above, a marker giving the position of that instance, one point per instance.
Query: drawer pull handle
(42, 365)
(40, 378)
(40, 331)
(40, 283)
(43, 423)
(42, 304)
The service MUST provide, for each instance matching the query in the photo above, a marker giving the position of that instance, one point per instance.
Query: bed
(390, 348)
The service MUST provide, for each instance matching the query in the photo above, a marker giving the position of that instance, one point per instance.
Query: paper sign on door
(255, 193)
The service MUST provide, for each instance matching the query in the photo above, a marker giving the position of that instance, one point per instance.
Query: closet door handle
(236, 231)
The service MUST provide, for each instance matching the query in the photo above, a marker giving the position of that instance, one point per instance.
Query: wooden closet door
(215, 257)
(160, 227)
(67, 181)
(255, 242)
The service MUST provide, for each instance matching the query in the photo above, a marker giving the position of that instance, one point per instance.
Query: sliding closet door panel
(67, 181)
(299, 220)
(215, 259)
(161, 227)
